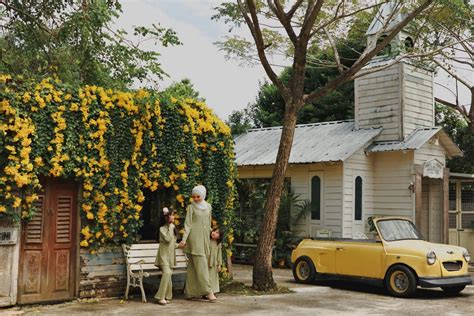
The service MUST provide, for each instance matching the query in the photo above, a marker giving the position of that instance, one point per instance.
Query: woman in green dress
(166, 256)
(196, 243)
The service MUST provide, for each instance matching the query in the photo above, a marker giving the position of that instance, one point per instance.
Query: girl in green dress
(166, 256)
(215, 260)
(196, 243)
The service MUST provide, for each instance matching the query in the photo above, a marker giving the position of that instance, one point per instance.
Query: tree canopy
(268, 109)
(76, 42)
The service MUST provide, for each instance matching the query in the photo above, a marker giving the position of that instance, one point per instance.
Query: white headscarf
(201, 191)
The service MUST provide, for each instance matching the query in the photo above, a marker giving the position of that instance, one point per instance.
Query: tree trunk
(471, 112)
(262, 269)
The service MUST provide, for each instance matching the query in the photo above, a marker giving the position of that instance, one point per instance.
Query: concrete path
(328, 299)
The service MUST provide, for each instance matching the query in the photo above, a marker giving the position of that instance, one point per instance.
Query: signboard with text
(8, 233)
(433, 169)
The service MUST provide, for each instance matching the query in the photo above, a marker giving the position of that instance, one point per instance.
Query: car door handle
(340, 249)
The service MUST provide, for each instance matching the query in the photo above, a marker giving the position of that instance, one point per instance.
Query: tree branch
(277, 9)
(340, 17)
(462, 110)
(366, 56)
(309, 20)
(336, 52)
(254, 27)
(293, 9)
(453, 74)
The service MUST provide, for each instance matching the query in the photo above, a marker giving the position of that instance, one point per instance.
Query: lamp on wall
(411, 187)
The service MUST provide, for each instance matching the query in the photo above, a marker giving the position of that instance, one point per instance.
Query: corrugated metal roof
(320, 142)
(416, 139)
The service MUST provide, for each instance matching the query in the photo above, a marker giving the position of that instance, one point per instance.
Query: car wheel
(304, 270)
(453, 290)
(400, 281)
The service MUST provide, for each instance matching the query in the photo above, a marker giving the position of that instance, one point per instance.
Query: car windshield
(397, 229)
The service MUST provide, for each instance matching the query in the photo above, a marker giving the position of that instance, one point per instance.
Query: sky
(224, 84)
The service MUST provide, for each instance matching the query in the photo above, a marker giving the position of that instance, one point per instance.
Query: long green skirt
(197, 277)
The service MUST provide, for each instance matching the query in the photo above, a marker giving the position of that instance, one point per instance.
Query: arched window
(315, 198)
(358, 199)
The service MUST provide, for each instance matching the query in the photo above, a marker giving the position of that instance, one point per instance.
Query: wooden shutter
(35, 227)
(63, 219)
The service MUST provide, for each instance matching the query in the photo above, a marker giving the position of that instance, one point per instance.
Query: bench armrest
(141, 272)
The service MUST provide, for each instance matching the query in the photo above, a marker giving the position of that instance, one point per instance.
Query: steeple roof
(389, 15)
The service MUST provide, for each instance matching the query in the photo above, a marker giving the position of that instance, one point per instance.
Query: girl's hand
(182, 244)
(219, 268)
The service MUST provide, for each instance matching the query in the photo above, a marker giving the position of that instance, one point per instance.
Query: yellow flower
(39, 161)
(84, 243)
(17, 202)
(26, 97)
(90, 215)
(180, 198)
(3, 209)
(181, 167)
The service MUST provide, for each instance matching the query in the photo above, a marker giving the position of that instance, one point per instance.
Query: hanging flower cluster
(116, 144)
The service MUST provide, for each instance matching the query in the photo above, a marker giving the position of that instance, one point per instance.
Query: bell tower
(392, 92)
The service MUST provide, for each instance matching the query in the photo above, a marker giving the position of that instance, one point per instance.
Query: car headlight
(466, 256)
(431, 257)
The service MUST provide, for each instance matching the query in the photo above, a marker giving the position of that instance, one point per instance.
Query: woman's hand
(182, 244)
(219, 268)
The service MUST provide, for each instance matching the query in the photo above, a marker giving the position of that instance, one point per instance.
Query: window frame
(321, 195)
(357, 203)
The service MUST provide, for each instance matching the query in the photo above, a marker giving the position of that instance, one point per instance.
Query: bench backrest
(146, 253)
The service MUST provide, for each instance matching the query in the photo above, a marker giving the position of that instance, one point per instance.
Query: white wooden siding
(418, 99)
(361, 165)
(393, 174)
(331, 210)
(429, 151)
(399, 98)
(377, 102)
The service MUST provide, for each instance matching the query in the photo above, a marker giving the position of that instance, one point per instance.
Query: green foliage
(459, 130)
(183, 89)
(115, 144)
(239, 122)
(371, 223)
(251, 208)
(76, 41)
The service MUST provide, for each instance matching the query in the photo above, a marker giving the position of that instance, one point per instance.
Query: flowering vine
(116, 144)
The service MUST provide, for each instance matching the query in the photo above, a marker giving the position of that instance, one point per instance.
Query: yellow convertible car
(398, 258)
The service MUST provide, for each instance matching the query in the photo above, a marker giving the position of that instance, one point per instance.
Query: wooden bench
(140, 259)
